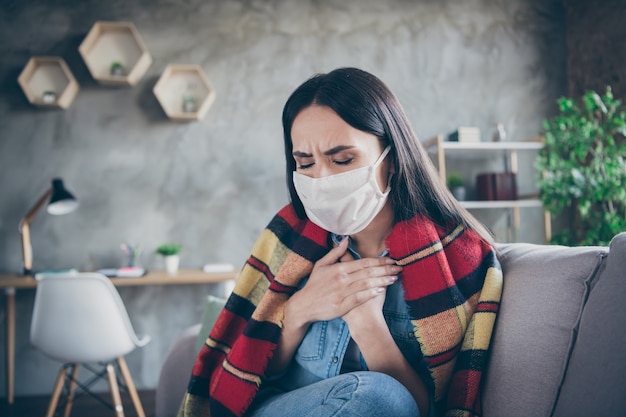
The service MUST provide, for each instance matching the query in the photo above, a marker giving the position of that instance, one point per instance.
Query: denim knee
(375, 394)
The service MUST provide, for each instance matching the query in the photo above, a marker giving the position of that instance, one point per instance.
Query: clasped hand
(340, 286)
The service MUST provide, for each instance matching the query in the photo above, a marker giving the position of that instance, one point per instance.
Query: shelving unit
(110, 43)
(48, 82)
(509, 152)
(184, 92)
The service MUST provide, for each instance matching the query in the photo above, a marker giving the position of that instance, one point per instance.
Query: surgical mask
(344, 203)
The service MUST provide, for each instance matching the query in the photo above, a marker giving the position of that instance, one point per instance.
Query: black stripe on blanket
(199, 386)
(298, 243)
(262, 330)
(442, 300)
(240, 306)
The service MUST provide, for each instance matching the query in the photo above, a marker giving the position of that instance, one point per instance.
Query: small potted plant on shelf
(117, 69)
(189, 103)
(49, 97)
(455, 185)
(171, 256)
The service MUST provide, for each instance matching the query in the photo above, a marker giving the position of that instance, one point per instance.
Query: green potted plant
(117, 69)
(171, 256)
(582, 168)
(189, 103)
(49, 97)
(455, 185)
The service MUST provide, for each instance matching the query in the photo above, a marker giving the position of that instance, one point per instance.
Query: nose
(321, 171)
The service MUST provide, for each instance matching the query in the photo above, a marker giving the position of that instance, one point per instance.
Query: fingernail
(379, 290)
(396, 268)
(392, 278)
(390, 261)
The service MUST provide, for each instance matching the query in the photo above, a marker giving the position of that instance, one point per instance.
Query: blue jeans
(354, 394)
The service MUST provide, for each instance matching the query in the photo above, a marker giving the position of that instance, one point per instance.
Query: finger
(346, 257)
(372, 263)
(372, 283)
(360, 297)
(377, 271)
(334, 254)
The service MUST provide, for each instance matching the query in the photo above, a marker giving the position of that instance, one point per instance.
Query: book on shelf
(492, 186)
(465, 135)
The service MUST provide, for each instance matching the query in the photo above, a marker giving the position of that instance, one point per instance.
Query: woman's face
(324, 144)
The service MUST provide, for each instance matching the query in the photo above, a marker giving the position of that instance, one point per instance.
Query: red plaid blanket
(452, 282)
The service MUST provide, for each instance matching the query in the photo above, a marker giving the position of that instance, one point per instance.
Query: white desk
(12, 282)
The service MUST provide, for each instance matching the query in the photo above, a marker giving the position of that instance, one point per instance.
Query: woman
(359, 298)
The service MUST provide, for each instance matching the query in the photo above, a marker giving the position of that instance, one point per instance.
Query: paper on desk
(218, 268)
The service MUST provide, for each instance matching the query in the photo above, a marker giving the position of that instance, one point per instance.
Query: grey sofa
(559, 344)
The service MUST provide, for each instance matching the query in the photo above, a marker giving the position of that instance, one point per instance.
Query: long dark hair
(366, 103)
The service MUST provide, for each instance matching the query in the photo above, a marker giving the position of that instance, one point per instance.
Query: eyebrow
(331, 151)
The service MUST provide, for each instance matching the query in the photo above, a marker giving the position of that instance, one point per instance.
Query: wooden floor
(84, 406)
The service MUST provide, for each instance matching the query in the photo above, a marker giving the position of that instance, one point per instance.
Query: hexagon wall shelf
(184, 92)
(48, 82)
(115, 54)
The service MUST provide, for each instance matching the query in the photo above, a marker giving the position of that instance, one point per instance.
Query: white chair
(80, 319)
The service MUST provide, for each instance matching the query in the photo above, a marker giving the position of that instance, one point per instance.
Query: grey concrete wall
(212, 185)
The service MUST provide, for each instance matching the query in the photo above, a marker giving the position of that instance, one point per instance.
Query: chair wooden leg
(56, 392)
(121, 362)
(72, 390)
(115, 391)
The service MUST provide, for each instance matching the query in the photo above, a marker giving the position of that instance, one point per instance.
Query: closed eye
(305, 166)
(344, 162)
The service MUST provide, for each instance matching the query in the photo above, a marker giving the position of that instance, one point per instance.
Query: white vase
(171, 264)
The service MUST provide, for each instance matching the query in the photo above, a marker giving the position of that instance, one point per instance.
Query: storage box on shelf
(508, 150)
(48, 82)
(184, 92)
(115, 54)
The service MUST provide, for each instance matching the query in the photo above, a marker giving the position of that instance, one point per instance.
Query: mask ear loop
(382, 156)
(379, 161)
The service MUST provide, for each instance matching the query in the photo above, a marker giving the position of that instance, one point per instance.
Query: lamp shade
(61, 200)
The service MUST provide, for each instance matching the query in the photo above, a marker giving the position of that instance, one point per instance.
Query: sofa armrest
(175, 372)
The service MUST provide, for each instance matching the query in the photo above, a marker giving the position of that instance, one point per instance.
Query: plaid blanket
(452, 282)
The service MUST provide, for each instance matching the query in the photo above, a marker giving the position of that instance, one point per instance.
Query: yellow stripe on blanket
(440, 332)
(217, 345)
(452, 235)
(477, 337)
(432, 249)
(252, 283)
(492, 288)
(240, 374)
(479, 333)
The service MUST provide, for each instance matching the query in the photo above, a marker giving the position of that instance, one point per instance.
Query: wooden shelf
(535, 143)
(108, 43)
(480, 149)
(499, 204)
(441, 150)
(48, 82)
(184, 85)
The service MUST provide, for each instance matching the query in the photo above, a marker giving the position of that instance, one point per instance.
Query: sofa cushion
(596, 376)
(179, 361)
(214, 306)
(175, 373)
(545, 288)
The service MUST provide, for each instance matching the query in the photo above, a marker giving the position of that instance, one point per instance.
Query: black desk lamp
(61, 202)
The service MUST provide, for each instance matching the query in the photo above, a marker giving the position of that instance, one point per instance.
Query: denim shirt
(323, 348)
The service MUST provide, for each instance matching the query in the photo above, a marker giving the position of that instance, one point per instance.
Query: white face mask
(344, 203)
